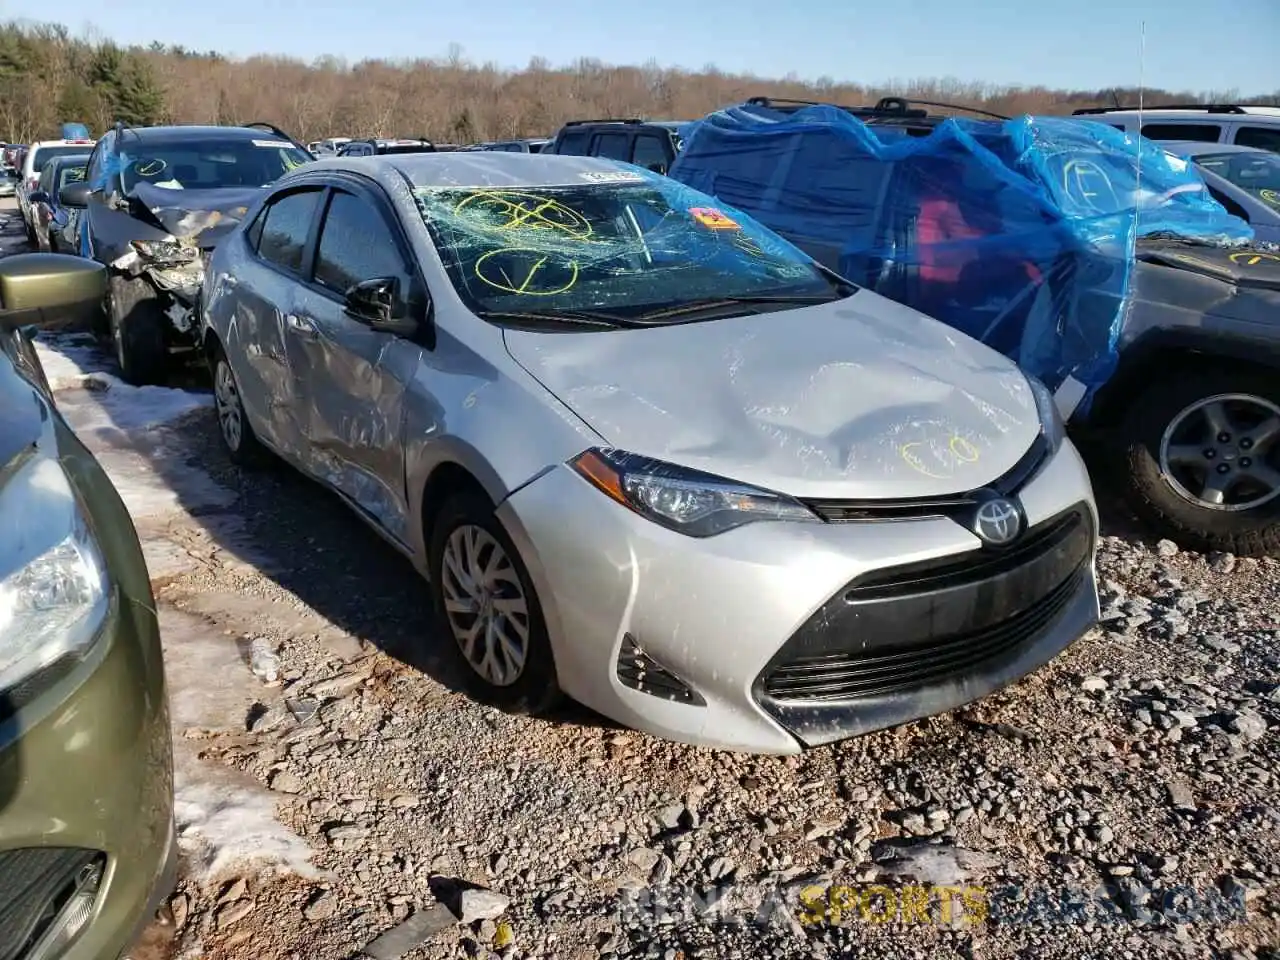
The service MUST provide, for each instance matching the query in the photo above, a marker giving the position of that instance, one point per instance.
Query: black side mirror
(374, 302)
(39, 196)
(75, 195)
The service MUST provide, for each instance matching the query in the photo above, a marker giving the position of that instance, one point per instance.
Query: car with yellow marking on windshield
(646, 453)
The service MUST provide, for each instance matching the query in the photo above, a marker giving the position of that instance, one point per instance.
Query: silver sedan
(646, 452)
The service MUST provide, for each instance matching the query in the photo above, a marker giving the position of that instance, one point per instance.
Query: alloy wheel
(1220, 453)
(485, 604)
(227, 400)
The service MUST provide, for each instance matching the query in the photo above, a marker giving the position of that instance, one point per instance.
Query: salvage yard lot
(1122, 799)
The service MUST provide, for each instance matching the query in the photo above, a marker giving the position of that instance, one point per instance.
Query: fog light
(639, 671)
(73, 916)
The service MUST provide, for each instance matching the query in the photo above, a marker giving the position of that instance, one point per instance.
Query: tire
(1172, 501)
(137, 325)
(534, 689)
(242, 444)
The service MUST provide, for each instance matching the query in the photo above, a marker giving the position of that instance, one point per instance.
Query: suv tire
(1166, 491)
(137, 325)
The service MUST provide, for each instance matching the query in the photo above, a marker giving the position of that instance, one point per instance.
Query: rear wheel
(243, 446)
(487, 609)
(1202, 459)
(137, 324)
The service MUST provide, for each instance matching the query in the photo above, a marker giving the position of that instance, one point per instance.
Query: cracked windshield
(209, 165)
(630, 247)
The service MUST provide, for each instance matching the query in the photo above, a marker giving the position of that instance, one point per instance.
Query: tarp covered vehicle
(1075, 249)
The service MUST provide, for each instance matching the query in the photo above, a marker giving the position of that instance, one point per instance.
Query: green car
(86, 765)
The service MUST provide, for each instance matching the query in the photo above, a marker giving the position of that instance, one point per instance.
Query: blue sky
(1191, 44)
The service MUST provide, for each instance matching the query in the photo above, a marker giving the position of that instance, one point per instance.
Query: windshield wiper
(584, 318)
(701, 306)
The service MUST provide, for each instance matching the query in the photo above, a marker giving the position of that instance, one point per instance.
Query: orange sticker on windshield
(713, 218)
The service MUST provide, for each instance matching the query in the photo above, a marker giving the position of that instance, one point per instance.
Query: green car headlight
(54, 588)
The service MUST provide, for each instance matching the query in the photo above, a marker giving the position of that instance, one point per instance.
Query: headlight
(54, 592)
(689, 501)
(1051, 425)
(165, 251)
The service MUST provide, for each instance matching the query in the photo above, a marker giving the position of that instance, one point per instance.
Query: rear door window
(1264, 138)
(574, 144)
(649, 152)
(1201, 132)
(612, 146)
(286, 225)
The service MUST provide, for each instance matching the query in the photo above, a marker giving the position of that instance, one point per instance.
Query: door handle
(303, 326)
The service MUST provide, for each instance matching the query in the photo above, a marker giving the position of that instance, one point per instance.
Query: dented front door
(351, 381)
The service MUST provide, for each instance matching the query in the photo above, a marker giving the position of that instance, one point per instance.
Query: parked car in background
(644, 450)
(652, 144)
(1243, 125)
(8, 182)
(87, 848)
(329, 146)
(526, 145)
(50, 219)
(37, 155)
(11, 156)
(377, 147)
(1245, 180)
(154, 202)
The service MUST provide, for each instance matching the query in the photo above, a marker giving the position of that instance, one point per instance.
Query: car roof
(1189, 112)
(180, 132)
(36, 144)
(1198, 148)
(473, 168)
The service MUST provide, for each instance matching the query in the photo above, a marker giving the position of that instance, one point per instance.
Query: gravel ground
(1121, 802)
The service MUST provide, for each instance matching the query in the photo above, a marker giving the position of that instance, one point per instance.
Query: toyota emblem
(997, 522)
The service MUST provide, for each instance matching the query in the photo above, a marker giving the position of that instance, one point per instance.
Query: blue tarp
(1020, 233)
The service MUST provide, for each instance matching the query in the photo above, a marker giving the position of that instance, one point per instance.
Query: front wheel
(487, 609)
(137, 323)
(1202, 460)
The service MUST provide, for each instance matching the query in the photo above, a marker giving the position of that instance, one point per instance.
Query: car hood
(859, 399)
(200, 215)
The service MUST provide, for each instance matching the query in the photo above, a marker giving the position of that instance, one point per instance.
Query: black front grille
(910, 626)
(35, 884)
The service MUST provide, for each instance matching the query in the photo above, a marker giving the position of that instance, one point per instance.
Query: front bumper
(89, 786)
(738, 638)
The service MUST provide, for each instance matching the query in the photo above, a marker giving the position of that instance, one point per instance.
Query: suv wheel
(487, 609)
(1202, 459)
(138, 331)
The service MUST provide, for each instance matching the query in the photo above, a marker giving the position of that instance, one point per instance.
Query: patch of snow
(225, 826)
(128, 428)
(75, 362)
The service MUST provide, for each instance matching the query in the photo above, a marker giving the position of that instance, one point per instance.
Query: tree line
(48, 76)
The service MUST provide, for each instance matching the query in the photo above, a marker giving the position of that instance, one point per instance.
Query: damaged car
(153, 204)
(648, 453)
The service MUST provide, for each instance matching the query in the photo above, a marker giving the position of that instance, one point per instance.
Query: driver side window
(355, 245)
